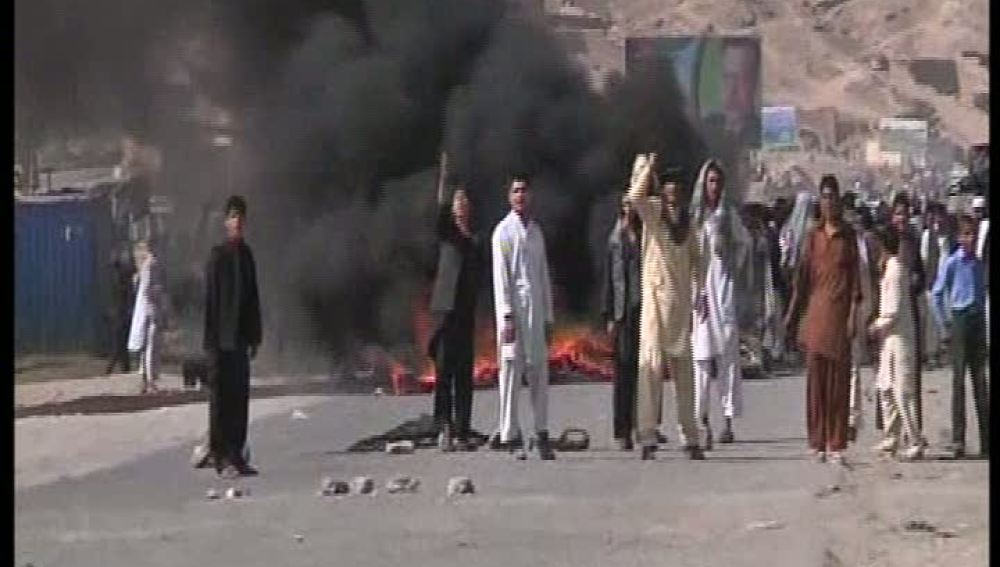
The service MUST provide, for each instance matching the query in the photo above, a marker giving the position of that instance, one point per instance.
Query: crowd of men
(691, 278)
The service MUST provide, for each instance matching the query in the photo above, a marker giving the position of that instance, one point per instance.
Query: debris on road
(299, 537)
(828, 491)
(919, 526)
(299, 414)
(331, 487)
(362, 485)
(212, 494)
(573, 439)
(766, 525)
(400, 448)
(460, 485)
(897, 476)
(402, 484)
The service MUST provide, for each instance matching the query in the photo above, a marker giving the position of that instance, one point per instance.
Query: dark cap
(672, 174)
(828, 185)
(236, 203)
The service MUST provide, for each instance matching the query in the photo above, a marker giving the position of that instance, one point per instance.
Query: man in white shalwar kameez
(522, 294)
(147, 325)
(725, 246)
(896, 370)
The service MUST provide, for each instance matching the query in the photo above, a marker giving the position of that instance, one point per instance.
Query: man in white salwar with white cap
(522, 294)
(725, 246)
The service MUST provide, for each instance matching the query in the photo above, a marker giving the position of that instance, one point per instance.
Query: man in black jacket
(622, 300)
(123, 299)
(453, 303)
(232, 337)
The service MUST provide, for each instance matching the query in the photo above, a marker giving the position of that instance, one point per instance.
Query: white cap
(979, 202)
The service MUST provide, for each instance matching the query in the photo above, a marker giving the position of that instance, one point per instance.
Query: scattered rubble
(362, 485)
(460, 485)
(400, 448)
(402, 484)
(766, 525)
(331, 487)
(828, 491)
(234, 493)
(919, 526)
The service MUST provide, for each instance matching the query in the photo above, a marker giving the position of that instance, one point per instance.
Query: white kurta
(896, 365)
(146, 329)
(146, 311)
(716, 339)
(896, 371)
(714, 336)
(523, 290)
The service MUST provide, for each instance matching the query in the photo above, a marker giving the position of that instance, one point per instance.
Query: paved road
(757, 502)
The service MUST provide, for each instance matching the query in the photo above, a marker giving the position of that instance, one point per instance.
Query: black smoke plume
(339, 111)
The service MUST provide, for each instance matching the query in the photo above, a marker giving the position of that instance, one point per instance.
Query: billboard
(719, 78)
(905, 138)
(779, 127)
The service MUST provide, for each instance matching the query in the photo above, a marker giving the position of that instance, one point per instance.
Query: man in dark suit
(232, 337)
(123, 299)
(453, 303)
(622, 300)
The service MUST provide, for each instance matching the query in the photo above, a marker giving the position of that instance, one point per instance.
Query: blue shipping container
(62, 247)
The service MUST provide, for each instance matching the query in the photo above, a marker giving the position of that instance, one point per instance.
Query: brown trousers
(828, 393)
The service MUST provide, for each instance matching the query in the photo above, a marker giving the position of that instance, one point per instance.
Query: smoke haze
(339, 111)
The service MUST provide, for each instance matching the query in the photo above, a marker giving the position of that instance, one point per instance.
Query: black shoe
(463, 446)
(494, 443)
(956, 452)
(245, 469)
(648, 453)
(852, 434)
(694, 453)
(727, 436)
(545, 451)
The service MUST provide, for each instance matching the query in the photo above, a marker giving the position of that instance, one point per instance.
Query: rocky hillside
(852, 55)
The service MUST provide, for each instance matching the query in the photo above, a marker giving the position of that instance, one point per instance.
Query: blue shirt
(961, 281)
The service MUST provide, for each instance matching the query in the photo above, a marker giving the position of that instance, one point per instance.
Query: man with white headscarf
(725, 246)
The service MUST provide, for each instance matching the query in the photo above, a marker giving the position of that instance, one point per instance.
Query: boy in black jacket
(232, 337)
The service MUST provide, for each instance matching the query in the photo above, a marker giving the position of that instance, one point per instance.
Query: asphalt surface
(759, 501)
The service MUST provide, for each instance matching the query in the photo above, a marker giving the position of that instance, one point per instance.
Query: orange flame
(575, 349)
